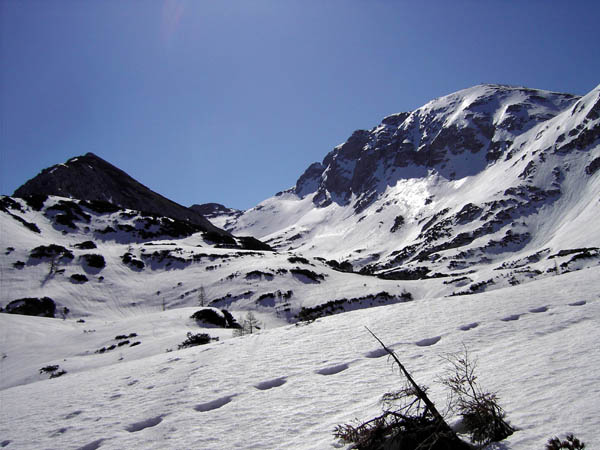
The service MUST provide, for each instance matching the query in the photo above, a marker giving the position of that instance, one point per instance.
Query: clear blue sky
(229, 101)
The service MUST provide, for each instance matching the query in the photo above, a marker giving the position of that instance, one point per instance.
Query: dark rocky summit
(89, 177)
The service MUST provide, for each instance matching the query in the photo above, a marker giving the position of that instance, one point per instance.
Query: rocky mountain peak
(455, 136)
(89, 177)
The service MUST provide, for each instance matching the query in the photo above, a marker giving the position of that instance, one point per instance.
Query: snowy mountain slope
(288, 387)
(151, 263)
(479, 178)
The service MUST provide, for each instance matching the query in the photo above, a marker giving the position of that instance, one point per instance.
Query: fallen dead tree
(411, 421)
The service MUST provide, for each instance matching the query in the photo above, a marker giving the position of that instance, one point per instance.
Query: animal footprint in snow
(264, 385)
(428, 341)
(147, 423)
(579, 303)
(468, 326)
(60, 431)
(214, 404)
(72, 414)
(541, 309)
(511, 318)
(332, 370)
(92, 445)
(377, 353)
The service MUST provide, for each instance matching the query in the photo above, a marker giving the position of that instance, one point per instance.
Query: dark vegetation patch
(32, 306)
(29, 225)
(79, 278)
(196, 339)
(257, 274)
(85, 245)
(340, 266)
(589, 253)
(19, 265)
(166, 257)
(434, 219)
(398, 223)
(53, 371)
(94, 260)
(561, 253)
(49, 369)
(132, 262)
(122, 340)
(269, 298)
(228, 299)
(211, 316)
(219, 240)
(106, 349)
(416, 273)
(125, 336)
(468, 213)
(458, 280)
(510, 239)
(231, 322)
(250, 243)
(51, 251)
(106, 230)
(309, 274)
(593, 167)
(298, 260)
(342, 305)
(7, 203)
(569, 443)
(475, 288)
(35, 201)
(149, 226)
(529, 259)
(66, 212)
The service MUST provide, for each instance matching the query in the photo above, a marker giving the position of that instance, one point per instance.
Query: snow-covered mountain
(471, 220)
(486, 176)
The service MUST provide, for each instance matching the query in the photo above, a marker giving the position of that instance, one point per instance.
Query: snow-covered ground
(287, 387)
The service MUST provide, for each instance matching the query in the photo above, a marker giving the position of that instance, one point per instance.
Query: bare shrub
(569, 443)
(483, 418)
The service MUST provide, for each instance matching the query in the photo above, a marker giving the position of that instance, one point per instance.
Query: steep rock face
(456, 135)
(89, 177)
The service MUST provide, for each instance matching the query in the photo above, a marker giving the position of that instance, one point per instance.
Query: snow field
(288, 387)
